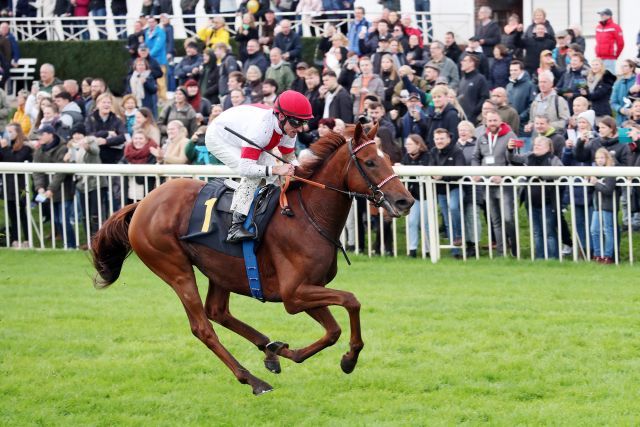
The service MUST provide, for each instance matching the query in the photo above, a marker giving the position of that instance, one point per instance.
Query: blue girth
(250, 259)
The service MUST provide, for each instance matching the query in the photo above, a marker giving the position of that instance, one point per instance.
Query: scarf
(138, 156)
(137, 85)
(202, 155)
(195, 100)
(544, 160)
(53, 144)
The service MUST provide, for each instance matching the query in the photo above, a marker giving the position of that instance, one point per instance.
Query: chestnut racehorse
(296, 259)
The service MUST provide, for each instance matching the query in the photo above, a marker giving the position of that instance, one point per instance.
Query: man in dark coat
(446, 153)
(337, 100)
(534, 47)
(473, 89)
(255, 56)
(288, 42)
(487, 31)
(451, 50)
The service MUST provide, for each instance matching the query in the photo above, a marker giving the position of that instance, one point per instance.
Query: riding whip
(253, 144)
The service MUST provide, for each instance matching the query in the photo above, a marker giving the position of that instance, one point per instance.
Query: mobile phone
(518, 143)
(623, 136)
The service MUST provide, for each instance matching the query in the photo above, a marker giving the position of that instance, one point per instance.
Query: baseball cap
(46, 129)
(302, 65)
(605, 11)
(143, 46)
(474, 39)
(414, 95)
(561, 33)
(432, 65)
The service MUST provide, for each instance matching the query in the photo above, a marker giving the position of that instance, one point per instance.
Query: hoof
(261, 388)
(347, 365)
(272, 365)
(263, 391)
(276, 346)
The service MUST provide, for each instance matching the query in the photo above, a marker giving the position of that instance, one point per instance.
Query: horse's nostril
(403, 204)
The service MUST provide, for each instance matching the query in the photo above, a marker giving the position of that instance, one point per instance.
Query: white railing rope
(568, 184)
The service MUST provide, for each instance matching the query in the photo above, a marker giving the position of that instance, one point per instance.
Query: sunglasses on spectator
(296, 123)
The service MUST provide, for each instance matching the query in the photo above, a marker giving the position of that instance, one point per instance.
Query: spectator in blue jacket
(156, 39)
(15, 49)
(621, 90)
(520, 91)
(415, 120)
(193, 60)
(356, 26)
(288, 42)
(499, 72)
(165, 22)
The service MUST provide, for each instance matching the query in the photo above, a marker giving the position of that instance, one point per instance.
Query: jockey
(268, 128)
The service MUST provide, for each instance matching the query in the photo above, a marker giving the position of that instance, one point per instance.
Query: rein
(336, 243)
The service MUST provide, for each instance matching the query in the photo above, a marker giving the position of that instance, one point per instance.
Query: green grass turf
(496, 342)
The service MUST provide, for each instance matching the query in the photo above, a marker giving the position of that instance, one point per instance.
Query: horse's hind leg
(217, 309)
(171, 265)
(332, 332)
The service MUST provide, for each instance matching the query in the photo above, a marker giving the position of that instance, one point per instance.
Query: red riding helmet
(293, 104)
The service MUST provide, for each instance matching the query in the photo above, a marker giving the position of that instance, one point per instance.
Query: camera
(363, 119)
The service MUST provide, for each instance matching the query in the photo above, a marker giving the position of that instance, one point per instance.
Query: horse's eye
(369, 163)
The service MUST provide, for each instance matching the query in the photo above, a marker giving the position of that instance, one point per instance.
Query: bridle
(376, 196)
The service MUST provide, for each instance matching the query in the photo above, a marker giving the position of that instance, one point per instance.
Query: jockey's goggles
(296, 123)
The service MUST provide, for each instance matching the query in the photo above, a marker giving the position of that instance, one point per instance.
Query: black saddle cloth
(211, 216)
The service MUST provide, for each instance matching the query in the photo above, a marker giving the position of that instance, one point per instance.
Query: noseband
(376, 196)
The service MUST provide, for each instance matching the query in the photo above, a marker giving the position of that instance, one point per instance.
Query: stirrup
(240, 235)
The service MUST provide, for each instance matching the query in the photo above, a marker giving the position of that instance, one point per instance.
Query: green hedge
(79, 59)
(104, 58)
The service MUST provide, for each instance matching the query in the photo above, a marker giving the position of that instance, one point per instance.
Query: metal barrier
(558, 216)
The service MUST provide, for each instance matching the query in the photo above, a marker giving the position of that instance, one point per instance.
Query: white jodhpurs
(243, 196)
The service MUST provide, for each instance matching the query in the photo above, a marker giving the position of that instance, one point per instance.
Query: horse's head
(370, 172)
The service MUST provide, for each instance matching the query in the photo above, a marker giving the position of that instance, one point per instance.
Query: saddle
(211, 216)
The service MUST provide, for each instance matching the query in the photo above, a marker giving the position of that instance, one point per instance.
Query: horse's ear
(357, 133)
(372, 133)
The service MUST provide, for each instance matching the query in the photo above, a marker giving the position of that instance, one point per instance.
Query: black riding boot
(237, 232)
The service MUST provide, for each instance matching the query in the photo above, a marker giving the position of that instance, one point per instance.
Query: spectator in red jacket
(609, 40)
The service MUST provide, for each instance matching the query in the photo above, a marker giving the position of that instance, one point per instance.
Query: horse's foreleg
(309, 297)
(217, 309)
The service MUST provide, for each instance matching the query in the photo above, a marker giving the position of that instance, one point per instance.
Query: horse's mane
(320, 151)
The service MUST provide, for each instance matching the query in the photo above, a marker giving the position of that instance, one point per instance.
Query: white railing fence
(489, 211)
(118, 27)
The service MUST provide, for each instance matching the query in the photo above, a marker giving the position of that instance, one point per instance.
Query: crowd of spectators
(509, 96)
